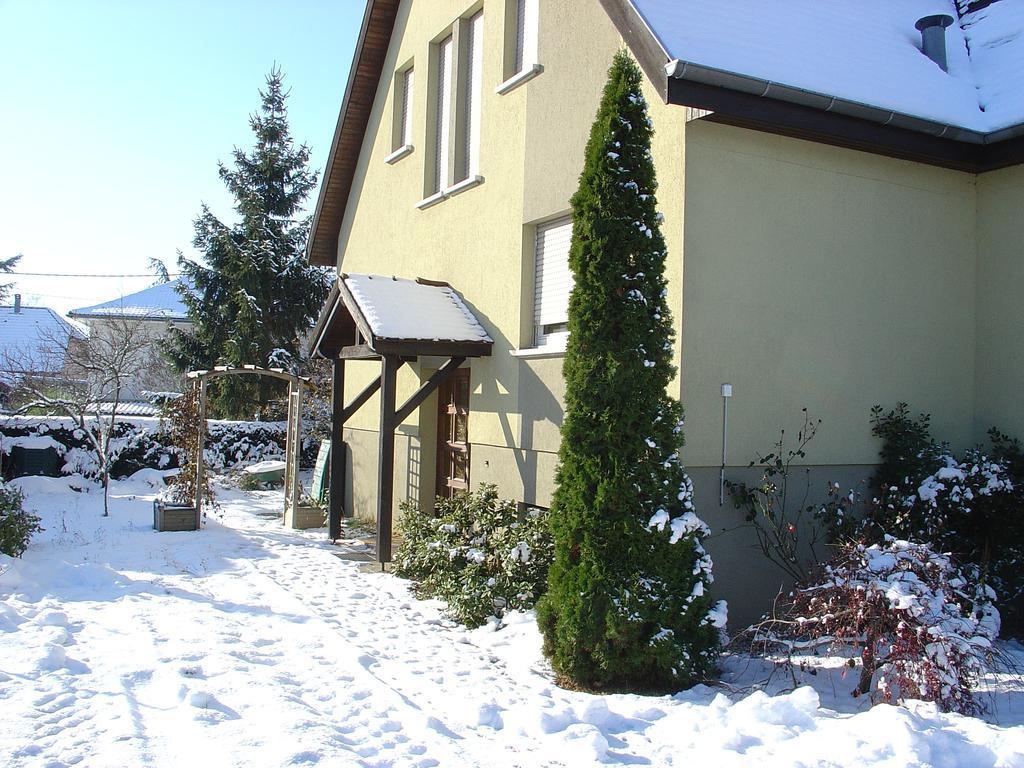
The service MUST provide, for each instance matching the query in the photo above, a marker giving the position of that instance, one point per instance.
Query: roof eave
(360, 92)
(750, 102)
(898, 136)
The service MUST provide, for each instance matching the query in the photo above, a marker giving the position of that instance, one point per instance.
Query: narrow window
(520, 37)
(520, 34)
(401, 139)
(469, 164)
(552, 282)
(442, 131)
(406, 116)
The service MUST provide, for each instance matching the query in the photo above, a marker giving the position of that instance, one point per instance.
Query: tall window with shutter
(406, 114)
(552, 282)
(443, 114)
(520, 38)
(402, 132)
(472, 78)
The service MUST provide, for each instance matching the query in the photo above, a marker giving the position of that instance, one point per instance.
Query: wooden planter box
(174, 517)
(307, 517)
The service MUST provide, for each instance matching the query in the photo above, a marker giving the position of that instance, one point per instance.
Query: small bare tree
(99, 373)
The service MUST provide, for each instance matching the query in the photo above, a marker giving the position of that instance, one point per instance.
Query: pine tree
(7, 266)
(255, 295)
(627, 604)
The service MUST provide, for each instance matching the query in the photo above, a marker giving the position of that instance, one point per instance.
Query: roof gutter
(720, 78)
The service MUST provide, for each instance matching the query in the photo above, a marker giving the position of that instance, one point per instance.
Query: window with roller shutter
(552, 282)
(442, 129)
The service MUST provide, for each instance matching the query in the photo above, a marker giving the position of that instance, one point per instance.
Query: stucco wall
(481, 240)
(826, 279)
(1000, 334)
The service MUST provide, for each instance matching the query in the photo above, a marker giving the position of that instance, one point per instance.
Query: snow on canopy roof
(865, 51)
(159, 302)
(398, 308)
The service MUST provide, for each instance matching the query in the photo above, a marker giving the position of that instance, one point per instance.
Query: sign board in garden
(321, 471)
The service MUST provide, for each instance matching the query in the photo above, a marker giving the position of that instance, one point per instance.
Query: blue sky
(115, 113)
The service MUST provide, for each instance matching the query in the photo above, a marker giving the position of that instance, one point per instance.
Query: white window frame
(553, 282)
(471, 75)
(521, 43)
(443, 113)
(404, 92)
(457, 73)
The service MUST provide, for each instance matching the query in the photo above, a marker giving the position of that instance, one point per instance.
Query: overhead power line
(68, 274)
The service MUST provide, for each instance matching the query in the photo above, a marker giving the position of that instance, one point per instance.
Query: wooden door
(453, 434)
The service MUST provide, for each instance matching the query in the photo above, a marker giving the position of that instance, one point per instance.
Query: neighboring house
(33, 343)
(148, 316)
(842, 214)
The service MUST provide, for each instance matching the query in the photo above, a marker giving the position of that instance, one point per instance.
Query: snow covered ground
(249, 645)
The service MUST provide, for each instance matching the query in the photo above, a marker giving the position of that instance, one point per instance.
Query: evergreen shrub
(628, 603)
(16, 525)
(479, 553)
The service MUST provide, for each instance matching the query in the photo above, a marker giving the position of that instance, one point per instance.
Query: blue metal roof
(160, 302)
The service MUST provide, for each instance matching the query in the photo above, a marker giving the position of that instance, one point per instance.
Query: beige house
(842, 212)
(146, 318)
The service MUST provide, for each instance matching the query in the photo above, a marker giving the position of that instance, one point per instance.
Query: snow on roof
(398, 308)
(866, 51)
(33, 339)
(159, 302)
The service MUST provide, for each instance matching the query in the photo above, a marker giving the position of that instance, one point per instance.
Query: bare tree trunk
(106, 489)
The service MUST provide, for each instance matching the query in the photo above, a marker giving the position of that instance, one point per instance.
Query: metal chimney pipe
(933, 37)
(17, 303)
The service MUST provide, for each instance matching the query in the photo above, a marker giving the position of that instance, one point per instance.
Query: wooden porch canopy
(394, 320)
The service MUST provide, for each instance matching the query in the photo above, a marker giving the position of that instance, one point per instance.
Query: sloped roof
(159, 302)
(864, 51)
(34, 339)
(360, 91)
(398, 315)
(846, 72)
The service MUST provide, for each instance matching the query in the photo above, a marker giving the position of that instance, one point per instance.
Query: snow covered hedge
(970, 504)
(143, 444)
(479, 553)
(922, 626)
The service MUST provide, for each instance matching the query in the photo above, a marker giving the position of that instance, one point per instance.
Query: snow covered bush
(970, 504)
(479, 553)
(149, 445)
(16, 525)
(923, 627)
(240, 443)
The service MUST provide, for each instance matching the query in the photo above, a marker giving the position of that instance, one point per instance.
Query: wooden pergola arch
(293, 430)
(430, 311)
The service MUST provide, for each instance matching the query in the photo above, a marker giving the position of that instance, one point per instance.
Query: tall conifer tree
(256, 295)
(627, 604)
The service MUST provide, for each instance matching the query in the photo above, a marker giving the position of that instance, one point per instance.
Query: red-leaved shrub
(922, 625)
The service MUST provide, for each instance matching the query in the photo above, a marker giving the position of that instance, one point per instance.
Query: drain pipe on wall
(726, 394)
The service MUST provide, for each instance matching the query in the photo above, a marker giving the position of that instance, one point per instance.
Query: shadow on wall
(505, 375)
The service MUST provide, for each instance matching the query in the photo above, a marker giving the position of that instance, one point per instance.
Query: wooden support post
(201, 385)
(428, 387)
(386, 456)
(338, 469)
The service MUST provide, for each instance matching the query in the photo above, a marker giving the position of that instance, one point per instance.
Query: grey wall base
(743, 575)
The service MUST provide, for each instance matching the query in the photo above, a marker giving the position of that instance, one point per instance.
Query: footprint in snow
(367, 660)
